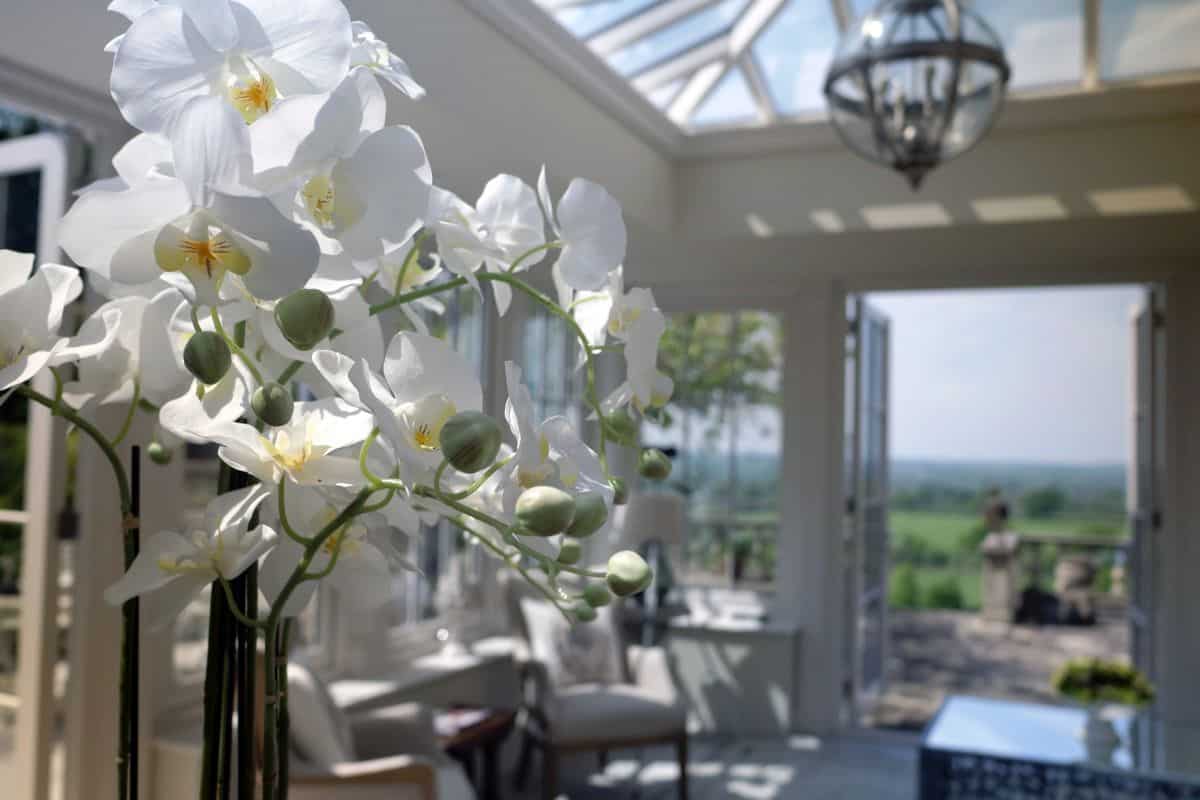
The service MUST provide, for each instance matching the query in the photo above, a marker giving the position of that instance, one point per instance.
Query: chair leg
(522, 773)
(602, 759)
(549, 772)
(681, 750)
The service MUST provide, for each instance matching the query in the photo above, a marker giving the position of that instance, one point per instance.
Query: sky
(1030, 375)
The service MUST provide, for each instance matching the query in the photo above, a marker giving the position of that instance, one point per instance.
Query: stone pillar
(1001, 592)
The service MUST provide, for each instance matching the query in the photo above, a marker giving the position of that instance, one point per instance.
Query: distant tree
(905, 590)
(945, 593)
(1046, 502)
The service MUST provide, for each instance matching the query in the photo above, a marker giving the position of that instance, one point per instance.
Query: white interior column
(1177, 646)
(809, 577)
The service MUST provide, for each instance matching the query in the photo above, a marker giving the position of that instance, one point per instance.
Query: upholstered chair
(387, 754)
(586, 692)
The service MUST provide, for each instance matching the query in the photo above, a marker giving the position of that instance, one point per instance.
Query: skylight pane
(795, 53)
(663, 95)
(677, 38)
(729, 104)
(1148, 37)
(1042, 38)
(586, 20)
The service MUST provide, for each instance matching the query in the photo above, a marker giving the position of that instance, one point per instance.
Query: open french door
(867, 564)
(1145, 472)
(33, 193)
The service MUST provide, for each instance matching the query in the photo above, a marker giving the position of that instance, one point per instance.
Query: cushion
(590, 712)
(573, 653)
(320, 732)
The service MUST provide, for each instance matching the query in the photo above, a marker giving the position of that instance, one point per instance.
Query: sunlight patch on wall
(828, 220)
(1023, 208)
(1144, 200)
(759, 226)
(906, 215)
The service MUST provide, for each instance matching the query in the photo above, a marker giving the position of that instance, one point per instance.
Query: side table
(470, 735)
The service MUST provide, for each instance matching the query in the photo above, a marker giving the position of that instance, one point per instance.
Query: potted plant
(1095, 683)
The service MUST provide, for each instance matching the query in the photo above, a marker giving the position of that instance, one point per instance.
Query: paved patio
(935, 653)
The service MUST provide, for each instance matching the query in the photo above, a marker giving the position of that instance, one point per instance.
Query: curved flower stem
(237, 612)
(390, 493)
(480, 481)
(290, 372)
(133, 407)
(531, 253)
(417, 294)
(413, 254)
(236, 348)
(292, 533)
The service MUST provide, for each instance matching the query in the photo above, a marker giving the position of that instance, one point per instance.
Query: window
(452, 568)
(1148, 37)
(725, 428)
(549, 353)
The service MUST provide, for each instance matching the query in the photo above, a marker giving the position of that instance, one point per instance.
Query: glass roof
(737, 63)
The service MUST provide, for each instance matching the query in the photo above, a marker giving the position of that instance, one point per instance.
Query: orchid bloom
(505, 225)
(371, 53)
(645, 386)
(177, 566)
(367, 549)
(143, 359)
(31, 311)
(550, 453)
(589, 223)
(247, 53)
(361, 187)
(311, 450)
(189, 222)
(425, 382)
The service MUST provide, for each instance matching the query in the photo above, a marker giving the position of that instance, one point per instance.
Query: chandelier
(916, 83)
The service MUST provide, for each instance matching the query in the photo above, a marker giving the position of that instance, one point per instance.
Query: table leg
(491, 773)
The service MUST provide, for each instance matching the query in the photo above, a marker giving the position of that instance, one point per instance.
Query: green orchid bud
(584, 613)
(570, 552)
(273, 404)
(622, 425)
(545, 511)
(654, 465)
(620, 491)
(597, 595)
(207, 357)
(305, 318)
(628, 573)
(470, 441)
(159, 453)
(591, 513)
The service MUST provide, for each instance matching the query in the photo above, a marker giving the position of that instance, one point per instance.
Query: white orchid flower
(247, 53)
(397, 273)
(200, 410)
(175, 224)
(645, 386)
(371, 53)
(425, 382)
(589, 223)
(505, 225)
(368, 549)
(345, 176)
(31, 311)
(551, 453)
(311, 450)
(177, 566)
(143, 357)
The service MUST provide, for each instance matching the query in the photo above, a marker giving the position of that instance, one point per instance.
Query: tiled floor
(846, 768)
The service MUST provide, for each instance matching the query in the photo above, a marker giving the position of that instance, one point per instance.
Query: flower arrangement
(1092, 680)
(260, 224)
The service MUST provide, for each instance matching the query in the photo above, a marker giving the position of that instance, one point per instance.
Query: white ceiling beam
(757, 80)
(681, 65)
(843, 14)
(644, 23)
(742, 36)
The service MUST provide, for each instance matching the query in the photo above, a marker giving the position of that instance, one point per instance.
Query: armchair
(586, 693)
(388, 754)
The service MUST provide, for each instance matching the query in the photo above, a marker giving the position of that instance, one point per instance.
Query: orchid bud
(305, 318)
(620, 491)
(207, 357)
(545, 511)
(570, 552)
(591, 513)
(470, 441)
(273, 404)
(628, 573)
(597, 595)
(622, 424)
(159, 453)
(584, 613)
(654, 465)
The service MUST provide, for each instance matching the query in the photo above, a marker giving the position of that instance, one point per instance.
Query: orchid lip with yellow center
(199, 249)
(12, 354)
(293, 455)
(622, 320)
(424, 419)
(251, 91)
